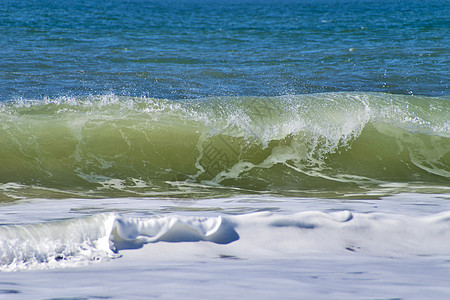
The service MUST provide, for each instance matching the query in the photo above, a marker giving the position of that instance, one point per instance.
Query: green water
(332, 144)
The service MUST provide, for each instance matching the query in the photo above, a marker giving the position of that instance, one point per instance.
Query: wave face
(115, 146)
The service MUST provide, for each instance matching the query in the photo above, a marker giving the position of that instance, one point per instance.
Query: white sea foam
(262, 235)
(56, 244)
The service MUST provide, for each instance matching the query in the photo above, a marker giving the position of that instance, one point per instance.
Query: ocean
(221, 148)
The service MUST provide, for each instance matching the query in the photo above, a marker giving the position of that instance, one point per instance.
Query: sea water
(224, 148)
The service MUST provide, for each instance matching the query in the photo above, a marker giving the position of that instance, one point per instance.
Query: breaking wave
(111, 145)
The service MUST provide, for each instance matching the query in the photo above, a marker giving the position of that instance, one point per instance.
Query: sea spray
(119, 146)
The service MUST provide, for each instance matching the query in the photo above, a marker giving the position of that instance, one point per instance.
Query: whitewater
(168, 246)
(262, 235)
(256, 149)
(225, 180)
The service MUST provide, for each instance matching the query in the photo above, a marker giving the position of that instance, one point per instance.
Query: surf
(114, 145)
(264, 235)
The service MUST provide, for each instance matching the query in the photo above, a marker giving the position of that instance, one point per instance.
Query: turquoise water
(324, 144)
(142, 97)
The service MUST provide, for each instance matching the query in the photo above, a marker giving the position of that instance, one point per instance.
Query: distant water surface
(191, 49)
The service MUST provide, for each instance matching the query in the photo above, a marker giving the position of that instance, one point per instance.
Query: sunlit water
(265, 148)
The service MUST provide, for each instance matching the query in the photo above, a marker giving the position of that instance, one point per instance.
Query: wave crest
(123, 145)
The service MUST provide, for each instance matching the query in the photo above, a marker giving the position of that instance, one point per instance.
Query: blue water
(131, 130)
(192, 49)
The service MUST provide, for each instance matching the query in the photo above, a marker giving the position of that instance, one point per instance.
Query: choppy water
(190, 49)
(146, 126)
